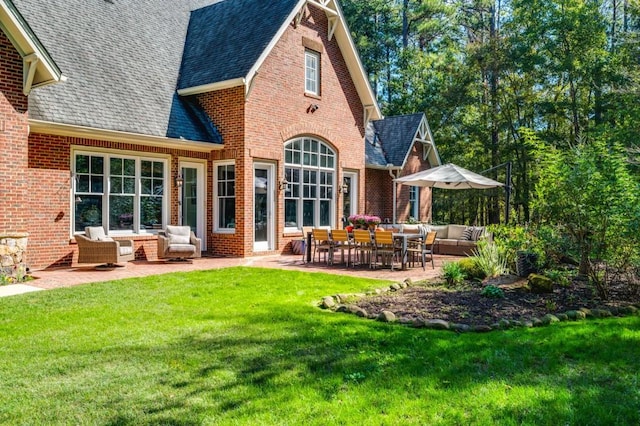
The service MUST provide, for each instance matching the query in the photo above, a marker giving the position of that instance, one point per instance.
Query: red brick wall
(227, 110)
(277, 110)
(49, 225)
(13, 141)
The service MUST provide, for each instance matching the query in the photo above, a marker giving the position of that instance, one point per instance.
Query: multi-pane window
(312, 72)
(226, 196)
(414, 202)
(310, 171)
(119, 193)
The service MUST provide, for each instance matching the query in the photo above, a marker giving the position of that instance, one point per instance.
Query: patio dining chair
(386, 247)
(363, 246)
(423, 248)
(322, 244)
(341, 241)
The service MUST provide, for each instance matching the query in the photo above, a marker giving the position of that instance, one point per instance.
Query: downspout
(395, 185)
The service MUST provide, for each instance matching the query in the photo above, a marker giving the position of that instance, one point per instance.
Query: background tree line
(494, 75)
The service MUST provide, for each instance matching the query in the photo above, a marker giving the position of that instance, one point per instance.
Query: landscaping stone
(576, 315)
(562, 317)
(437, 324)
(540, 284)
(387, 316)
(504, 324)
(527, 323)
(418, 323)
(482, 328)
(536, 322)
(549, 319)
(628, 310)
(328, 302)
(460, 328)
(355, 309)
(342, 298)
(601, 313)
(408, 282)
(405, 321)
(342, 308)
(395, 287)
(587, 312)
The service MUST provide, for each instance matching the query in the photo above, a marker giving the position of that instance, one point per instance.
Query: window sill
(312, 96)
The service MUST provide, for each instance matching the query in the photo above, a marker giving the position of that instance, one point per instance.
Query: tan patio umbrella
(449, 176)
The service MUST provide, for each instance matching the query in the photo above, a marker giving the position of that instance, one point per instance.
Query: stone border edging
(340, 303)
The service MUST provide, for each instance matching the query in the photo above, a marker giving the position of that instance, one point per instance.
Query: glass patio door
(263, 220)
(192, 198)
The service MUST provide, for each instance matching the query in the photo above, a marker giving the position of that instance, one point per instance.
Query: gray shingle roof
(226, 39)
(121, 57)
(388, 141)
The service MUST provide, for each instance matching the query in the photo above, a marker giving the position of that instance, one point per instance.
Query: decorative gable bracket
(329, 7)
(423, 136)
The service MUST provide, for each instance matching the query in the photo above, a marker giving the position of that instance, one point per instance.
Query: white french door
(263, 206)
(192, 198)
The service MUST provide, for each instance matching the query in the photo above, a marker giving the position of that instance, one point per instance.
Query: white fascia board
(58, 129)
(27, 44)
(265, 53)
(356, 69)
(196, 90)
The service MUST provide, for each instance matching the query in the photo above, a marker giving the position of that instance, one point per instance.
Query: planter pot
(526, 262)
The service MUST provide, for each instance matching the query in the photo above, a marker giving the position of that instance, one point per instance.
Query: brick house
(244, 119)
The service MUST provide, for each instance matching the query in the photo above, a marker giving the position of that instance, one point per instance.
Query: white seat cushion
(182, 248)
(126, 250)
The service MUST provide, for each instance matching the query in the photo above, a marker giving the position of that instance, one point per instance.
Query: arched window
(310, 169)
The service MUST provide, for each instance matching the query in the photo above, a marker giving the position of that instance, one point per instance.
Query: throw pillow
(179, 234)
(476, 233)
(467, 233)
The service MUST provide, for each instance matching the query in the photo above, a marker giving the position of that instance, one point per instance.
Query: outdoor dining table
(404, 238)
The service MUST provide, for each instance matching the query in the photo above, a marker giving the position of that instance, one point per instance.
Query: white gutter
(390, 167)
(47, 127)
(204, 88)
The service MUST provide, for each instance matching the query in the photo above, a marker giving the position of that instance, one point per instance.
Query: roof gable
(389, 141)
(39, 68)
(228, 41)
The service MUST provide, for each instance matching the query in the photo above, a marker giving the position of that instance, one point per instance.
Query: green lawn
(249, 346)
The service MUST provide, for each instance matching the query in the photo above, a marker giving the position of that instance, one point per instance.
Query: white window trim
(216, 210)
(316, 56)
(318, 168)
(138, 157)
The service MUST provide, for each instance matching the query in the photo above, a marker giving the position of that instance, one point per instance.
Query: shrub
(492, 292)
(561, 278)
(489, 259)
(470, 269)
(452, 273)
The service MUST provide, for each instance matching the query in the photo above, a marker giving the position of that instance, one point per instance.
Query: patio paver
(84, 274)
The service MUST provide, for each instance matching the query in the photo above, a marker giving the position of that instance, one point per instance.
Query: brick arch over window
(298, 129)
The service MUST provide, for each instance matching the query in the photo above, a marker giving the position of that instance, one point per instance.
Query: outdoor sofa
(457, 240)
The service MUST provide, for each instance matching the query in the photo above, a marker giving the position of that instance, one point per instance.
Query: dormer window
(312, 72)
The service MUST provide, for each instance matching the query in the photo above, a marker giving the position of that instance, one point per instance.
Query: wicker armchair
(178, 243)
(96, 247)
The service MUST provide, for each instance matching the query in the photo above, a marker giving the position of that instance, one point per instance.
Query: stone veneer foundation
(13, 253)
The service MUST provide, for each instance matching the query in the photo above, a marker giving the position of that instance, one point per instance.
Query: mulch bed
(467, 306)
